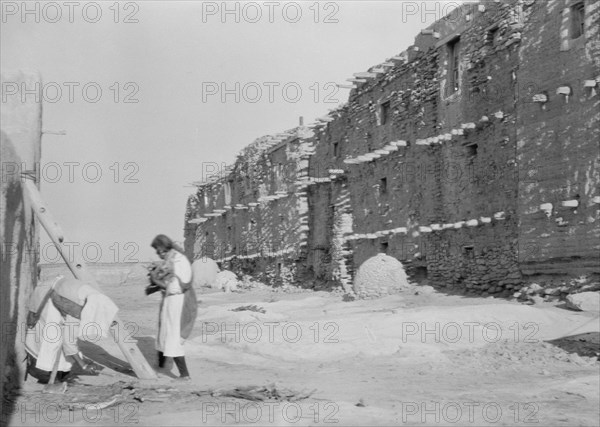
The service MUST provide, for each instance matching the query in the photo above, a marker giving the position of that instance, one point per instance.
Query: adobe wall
(21, 119)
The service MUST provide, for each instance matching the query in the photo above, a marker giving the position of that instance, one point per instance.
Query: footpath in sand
(416, 358)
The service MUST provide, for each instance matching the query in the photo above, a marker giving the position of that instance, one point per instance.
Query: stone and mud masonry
(471, 158)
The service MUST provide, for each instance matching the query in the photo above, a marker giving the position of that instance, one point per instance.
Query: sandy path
(367, 362)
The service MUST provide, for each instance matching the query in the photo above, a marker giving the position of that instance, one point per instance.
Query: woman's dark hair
(164, 242)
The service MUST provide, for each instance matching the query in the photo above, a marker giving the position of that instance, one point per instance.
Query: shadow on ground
(587, 344)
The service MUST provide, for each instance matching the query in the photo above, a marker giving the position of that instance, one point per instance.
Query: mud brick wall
(442, 158)
(253, 218)
(558, 142)
(21, 121)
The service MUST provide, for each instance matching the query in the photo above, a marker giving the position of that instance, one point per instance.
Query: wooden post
(55, 367)
(130, 350)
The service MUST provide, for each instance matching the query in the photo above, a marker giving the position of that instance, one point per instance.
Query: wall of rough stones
(253, 216)
(442, 163)
(559, 141)
(443, 173)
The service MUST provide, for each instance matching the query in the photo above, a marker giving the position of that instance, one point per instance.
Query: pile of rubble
(579, 294)
(247, 283)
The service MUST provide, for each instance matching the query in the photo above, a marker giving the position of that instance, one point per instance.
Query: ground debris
(259, 393)
(248, 283)
(361, 403)
(250, 308)
(150, 397)
(94, 404)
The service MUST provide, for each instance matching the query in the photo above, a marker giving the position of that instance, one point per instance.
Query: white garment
(169, 340)
(98, 310)
(96, 317)
(52, 335)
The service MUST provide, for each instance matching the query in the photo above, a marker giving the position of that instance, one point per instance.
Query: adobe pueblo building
(472, 157)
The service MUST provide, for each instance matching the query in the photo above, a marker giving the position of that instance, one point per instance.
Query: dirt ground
(415, 358)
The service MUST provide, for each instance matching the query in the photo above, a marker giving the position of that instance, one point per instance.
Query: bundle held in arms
(159, 274)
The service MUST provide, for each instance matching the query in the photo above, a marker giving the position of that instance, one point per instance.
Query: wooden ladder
(130, 349)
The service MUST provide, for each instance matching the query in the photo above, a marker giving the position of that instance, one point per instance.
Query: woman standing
(178, 307)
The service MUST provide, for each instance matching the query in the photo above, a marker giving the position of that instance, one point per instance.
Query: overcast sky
(157, 118)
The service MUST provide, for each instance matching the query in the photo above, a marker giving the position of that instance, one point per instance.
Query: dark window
(577, 20)
(453, 65)
(336, 149)
(493, 36)
(418, 273)
(385, 112)
(383, 186)
(383, 247)
(472, 150)
(469, 252)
